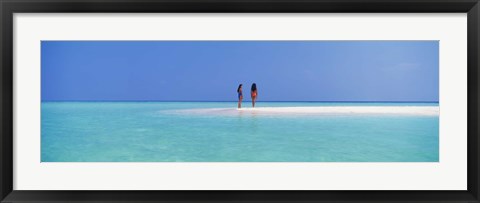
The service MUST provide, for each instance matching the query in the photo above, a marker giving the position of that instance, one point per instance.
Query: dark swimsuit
(239, 95)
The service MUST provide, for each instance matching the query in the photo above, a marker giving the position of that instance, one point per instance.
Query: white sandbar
(321, 110)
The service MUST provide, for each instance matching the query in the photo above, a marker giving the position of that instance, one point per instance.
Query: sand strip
(320, 110)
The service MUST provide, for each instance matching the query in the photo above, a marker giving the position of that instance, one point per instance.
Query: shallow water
(161, 132)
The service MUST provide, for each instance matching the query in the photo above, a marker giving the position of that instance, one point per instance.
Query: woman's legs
(253, 101)
(240, 103)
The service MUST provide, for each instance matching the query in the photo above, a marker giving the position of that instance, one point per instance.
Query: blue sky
(212, 70)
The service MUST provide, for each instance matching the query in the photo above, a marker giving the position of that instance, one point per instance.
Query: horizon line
(234, 101)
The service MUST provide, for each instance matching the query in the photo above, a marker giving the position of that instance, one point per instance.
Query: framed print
(254, 101)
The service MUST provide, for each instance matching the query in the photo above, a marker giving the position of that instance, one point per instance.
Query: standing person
(240, 95)
(254, 94)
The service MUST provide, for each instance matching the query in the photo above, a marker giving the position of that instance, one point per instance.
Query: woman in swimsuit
(254, 94)
(240, 96)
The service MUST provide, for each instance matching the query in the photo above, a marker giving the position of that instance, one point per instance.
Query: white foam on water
(319, 110)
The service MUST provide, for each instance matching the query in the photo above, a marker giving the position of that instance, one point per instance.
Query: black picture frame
(9, 7)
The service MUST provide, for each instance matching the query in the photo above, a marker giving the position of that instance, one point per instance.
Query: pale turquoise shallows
(156, 132)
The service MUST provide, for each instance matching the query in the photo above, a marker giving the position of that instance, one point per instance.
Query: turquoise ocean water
(157, 132)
